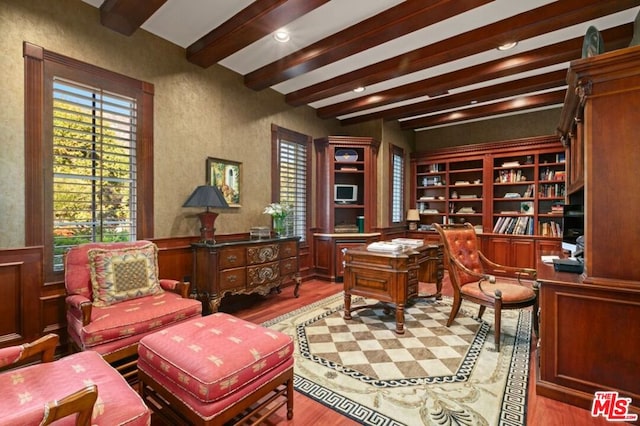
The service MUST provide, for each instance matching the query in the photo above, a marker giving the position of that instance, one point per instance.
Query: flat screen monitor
(573, 228)
(344, 194)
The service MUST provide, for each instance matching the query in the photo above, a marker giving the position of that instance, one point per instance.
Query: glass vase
(279, 225)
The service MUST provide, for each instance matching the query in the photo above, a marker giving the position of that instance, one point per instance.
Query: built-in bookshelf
(511, 191)
(528, 193)
(450, 192)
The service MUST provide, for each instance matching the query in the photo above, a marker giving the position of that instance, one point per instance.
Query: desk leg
(347, 305)
(400, 318)
(296, 291)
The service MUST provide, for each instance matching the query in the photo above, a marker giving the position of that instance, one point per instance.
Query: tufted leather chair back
(461, 243)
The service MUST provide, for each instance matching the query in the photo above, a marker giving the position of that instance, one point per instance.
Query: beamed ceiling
(424, 63)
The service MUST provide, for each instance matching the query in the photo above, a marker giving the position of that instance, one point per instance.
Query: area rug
(431, 375)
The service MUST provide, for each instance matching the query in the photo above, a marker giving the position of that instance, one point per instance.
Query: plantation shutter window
(291, 177)
(293, 184)
(94, 166)
(397, 185)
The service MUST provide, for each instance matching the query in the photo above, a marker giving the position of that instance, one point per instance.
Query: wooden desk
(243, 267)
(391, 278)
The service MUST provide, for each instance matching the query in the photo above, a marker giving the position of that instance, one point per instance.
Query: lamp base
(207, 230)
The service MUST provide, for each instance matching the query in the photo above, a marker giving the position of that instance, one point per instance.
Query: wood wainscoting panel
(21, 280)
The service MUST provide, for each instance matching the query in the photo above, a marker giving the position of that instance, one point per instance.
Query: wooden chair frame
(494, 297)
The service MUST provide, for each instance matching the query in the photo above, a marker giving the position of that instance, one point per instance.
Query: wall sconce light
(413, 217)
(206, 196)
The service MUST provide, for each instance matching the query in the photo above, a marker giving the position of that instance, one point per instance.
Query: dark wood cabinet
(346, 162)
(243, 267)
(328, 255)
(589, 324)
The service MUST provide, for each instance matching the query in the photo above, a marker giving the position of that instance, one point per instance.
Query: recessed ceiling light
(473, 102)
(282, 36)
(508, 46)
(359, 89)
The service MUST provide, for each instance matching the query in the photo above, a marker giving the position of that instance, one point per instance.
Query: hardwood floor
(540, 411)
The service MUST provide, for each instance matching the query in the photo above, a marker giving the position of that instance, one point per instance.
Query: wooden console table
(243, 267)
(391, 278)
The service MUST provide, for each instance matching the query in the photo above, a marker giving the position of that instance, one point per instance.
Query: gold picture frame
(226, 175)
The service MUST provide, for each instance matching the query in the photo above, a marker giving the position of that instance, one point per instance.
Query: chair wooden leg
(457, 301)
(536, 308)
(497, 323)
(481, 311)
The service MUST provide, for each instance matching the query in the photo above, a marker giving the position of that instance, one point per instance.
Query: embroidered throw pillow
(124, 273)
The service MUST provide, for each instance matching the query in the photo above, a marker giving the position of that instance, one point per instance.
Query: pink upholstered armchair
(471, 279)
(79, 389)
(114, 298)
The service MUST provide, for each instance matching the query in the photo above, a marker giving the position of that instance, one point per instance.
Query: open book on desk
(548, 259)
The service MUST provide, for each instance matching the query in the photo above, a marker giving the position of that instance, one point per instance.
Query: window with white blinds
(397, 185)
(94, 166)
(293, 183)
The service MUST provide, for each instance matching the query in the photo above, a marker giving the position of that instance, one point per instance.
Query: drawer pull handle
(232, 278)
(231, 258)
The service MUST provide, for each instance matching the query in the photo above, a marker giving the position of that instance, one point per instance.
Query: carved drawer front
(231, 258)
(232, 279)
(288, 249)
(262, 254)
(288, 266)
(263, 274)
(412, 274)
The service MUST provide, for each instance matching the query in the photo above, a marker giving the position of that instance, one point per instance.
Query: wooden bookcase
(512, 192)
(346, 160)
(590, 323)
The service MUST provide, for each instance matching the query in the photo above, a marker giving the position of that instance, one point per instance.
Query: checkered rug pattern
(367, 347)
(431, 375)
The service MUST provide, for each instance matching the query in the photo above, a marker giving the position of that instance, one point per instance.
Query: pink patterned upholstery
(215, 361)
(117, 328)
(112, 326)
(26, 390)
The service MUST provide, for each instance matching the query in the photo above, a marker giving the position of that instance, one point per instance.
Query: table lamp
(206, 196)
(413, 217)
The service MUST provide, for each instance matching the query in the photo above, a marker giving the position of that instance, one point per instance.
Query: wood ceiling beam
(546, 56)
(554, 16)
(408, 16)
(126, 16)
(260, 18)
(513, 105)
(504, 90)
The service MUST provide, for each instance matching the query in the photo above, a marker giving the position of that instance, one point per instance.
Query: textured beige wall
(199, 113)
(539, 123)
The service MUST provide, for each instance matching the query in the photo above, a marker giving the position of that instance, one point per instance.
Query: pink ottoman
(208, 370)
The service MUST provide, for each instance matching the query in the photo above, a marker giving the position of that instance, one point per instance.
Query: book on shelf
(512, 195)
(549, 229)
(521, 225)
(511, 164)
(510, 176)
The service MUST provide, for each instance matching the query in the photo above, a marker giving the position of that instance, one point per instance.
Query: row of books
(550, 229)
(522, 225)
(508, 176)
(551, 190)
(550, 174)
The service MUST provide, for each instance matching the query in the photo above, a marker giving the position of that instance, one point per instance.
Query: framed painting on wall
(225, 175)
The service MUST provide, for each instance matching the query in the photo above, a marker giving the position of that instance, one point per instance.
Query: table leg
(347, 305)
(400, 318)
